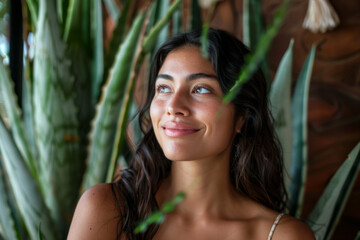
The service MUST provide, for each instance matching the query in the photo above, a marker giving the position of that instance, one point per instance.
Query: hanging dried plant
(320, 16)
(207, 3)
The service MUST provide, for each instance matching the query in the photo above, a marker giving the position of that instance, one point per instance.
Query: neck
(206, 183)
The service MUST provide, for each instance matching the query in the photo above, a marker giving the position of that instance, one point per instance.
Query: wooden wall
(334, 101)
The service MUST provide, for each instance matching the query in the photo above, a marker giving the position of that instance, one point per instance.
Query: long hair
(256, 157)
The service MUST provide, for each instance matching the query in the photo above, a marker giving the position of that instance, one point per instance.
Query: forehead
(186, 59)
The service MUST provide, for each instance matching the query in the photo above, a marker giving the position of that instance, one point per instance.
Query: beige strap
(277, 220)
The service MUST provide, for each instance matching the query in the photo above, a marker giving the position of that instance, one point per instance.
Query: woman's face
(189, 119)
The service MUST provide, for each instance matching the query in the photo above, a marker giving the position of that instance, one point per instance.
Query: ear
(239, 123)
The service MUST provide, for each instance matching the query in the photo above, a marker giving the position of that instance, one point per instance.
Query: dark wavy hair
(256, 158)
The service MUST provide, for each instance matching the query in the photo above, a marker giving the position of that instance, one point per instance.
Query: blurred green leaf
(151, 38)
(280, 99)
(158, 16)
(170, 206)
(120, 135)
(28, 111)
(253, 24)
(299, 152)
(6, 219)
(117, 38)
(74, 6)
(253, 28)
(196, 18)
(16, 124)
(252, 61)
(40, 235)
(3, 8)
(85, 53)
(33, 6)
(56, 118)
(4, 16)
(177, 26)
(77, 23)
(26, 192)
(327, 212)
(163, 34)
(204, 40)
(158, 217)
(113, 9)
(98, 46)
(357, 236)
(109, 107)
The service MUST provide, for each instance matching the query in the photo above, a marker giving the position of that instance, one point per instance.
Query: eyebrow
(189, 78)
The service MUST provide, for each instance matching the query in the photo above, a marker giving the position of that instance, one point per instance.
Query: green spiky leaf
(177, 22)
(280, 99)
(204, 40)
(7, 223)
(326, 214)
(113, 9)
(26, 192)
(151, 38)
(253, 28)
(117, 38)
(357, 236)
(33, 6)
(252, 62)
(170, 206)
(109, 107)
(56, 119)
(74, 6)
(299, 152)
(158, 217)
(16, 124)
(98, 46)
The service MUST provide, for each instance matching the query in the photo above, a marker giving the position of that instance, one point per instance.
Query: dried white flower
(206, 3)
(320, 16)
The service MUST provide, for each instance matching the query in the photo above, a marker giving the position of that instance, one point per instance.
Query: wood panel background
(334, 101)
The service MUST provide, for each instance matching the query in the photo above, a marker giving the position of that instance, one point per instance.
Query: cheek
(156, 111)
(223, 120)
(218, 113)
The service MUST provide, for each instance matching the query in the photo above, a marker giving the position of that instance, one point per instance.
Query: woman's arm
(96, 215)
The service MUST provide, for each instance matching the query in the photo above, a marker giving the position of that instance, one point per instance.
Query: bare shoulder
(96, 215)
(293, 229)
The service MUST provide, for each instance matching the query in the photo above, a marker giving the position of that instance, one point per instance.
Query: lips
(173, 129)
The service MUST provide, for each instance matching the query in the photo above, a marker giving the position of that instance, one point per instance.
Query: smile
(171, 132)
(172, 129)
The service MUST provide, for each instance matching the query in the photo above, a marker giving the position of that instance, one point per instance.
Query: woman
(189, 133)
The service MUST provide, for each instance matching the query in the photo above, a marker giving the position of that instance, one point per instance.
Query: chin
(176, 156)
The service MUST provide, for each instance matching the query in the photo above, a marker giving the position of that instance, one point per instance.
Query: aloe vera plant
(280, 99)
(327, 211)
(299, 152)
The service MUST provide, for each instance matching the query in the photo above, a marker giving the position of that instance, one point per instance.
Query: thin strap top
(277, 220)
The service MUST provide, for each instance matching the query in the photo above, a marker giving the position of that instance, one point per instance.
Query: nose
(178, 105)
